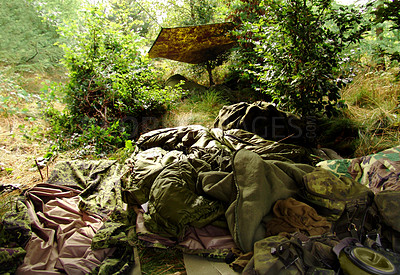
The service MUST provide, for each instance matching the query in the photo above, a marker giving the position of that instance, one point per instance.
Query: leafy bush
(387, 14)
(111, 82)
(293, 50)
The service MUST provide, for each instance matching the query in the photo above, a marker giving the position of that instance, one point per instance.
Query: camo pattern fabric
(387, 202)
(330, 193)
(15, 232)
(70, 208)
(10, 259)
(379, 172)
(267, 261)
(291, 255)
(118, 235)
(99, 180)
(339, 167)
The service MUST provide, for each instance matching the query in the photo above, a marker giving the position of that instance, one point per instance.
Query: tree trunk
(209, 70)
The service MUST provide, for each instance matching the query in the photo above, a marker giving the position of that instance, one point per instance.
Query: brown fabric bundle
(291, 215)
(61, 233)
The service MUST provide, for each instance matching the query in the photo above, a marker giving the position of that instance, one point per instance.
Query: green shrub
(112, 84)
(293, 49)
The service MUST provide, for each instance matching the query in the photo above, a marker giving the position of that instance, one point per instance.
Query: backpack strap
(354, 220)
(293, 252)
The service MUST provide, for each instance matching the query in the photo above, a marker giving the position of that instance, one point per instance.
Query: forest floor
(23, 132)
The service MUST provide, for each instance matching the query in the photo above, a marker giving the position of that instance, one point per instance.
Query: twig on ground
(38, 167)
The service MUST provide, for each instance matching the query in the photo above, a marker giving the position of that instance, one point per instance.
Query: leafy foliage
(26, 41)
(174, 13)
(388, 12)
(111, 82)
(56, 11)
(246, 11)
(293, 49)
(201, 12)
(12, 95)
(138, 18)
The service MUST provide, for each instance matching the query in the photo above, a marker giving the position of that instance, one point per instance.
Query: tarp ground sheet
(207, 191)
(66, 223)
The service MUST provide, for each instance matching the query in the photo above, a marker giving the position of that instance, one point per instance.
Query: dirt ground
(22, 141)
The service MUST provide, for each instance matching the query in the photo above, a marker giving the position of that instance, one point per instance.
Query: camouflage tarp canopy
(194, 44)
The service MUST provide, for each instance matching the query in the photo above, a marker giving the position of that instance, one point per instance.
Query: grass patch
(198, 108)
(23, 131)
(157, 261)
(373, 104)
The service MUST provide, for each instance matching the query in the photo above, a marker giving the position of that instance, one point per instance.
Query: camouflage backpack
(297, 254)
(330, 195)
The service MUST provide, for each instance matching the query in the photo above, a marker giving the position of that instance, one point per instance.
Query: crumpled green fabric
(15, 232)
(237, 139)
(146, 165)
(263, 119)
(174, 203)
(156, 180)
(388, 204)
(258, 185)
(195, 139)
(176, 138)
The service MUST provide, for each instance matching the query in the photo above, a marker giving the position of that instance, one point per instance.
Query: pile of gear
(263, 203)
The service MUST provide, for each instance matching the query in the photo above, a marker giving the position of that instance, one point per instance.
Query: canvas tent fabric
(193, 44)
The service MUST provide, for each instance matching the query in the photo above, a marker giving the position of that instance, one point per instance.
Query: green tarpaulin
(194, 44)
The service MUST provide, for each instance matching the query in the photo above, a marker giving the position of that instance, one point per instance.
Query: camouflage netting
(195, 44)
